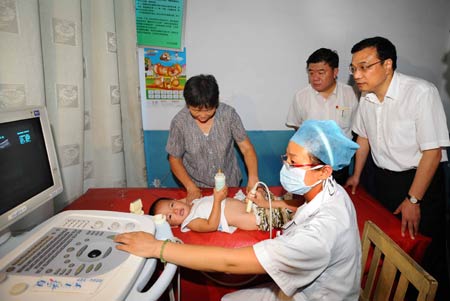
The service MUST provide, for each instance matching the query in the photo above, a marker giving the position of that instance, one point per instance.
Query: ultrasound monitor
(29, 171)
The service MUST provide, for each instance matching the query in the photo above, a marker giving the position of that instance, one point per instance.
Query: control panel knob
(97, 225)
(114, 226)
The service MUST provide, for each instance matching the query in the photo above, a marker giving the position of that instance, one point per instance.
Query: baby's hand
(221, 194)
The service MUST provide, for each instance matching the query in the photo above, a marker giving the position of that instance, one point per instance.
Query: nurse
(318, 255)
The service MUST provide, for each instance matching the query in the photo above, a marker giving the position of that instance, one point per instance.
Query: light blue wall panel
(269, 146)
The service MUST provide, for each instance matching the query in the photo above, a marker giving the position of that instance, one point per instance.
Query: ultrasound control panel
(73, 257)
(69, 252)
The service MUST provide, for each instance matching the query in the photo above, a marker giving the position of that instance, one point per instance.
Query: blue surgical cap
(325, 140)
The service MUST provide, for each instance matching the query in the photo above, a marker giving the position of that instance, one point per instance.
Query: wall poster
(159, 23)
(165, 74)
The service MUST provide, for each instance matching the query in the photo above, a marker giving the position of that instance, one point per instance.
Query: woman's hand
(141, 244)
(193, 193)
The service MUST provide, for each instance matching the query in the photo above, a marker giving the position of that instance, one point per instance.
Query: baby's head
(175, 211)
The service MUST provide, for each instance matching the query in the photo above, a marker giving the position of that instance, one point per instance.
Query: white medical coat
(318, 257)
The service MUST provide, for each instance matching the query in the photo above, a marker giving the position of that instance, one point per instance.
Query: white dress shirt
(409, 120)
(318, 257)
(340, 106)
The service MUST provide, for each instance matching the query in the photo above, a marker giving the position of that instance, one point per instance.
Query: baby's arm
(212, 223)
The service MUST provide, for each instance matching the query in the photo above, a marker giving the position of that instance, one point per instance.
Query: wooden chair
(391, 269)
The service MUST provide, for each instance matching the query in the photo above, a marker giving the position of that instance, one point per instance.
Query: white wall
(257, 48)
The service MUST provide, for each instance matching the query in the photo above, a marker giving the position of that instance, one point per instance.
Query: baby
(218, 213)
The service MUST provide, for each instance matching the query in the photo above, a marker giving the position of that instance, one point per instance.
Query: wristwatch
(413, 199)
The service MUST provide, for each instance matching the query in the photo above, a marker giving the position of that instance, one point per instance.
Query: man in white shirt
(324, 98)
(401, 121)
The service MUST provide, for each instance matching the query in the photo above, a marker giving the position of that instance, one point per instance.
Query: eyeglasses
(288, 165)
(362, 68)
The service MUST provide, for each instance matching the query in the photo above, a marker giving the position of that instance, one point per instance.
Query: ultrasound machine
(70, 255)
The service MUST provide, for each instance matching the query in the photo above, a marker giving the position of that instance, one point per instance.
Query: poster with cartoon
(165, 74)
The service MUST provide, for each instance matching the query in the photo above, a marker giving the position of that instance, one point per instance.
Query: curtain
(79, 59)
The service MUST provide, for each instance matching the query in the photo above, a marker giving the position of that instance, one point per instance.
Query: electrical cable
(177, 240)
(224, 283)
(270, 208)
(229, 284)
(171, 293)
(245, 282)
(270, 204)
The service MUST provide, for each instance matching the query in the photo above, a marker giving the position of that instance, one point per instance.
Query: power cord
(270, 208)
(220, 282)
(253, 191)
(171, 293)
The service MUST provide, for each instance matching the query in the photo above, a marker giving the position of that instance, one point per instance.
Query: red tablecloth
(197, 286)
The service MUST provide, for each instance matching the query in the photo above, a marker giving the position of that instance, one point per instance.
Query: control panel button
(89, 268)
(130, 226)
(114, 226)
(18, 288)
(94, 253)
(97, 225)
(108, 251)
(80, 251)
(79, 269)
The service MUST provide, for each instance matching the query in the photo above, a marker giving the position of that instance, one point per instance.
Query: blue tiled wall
(269, 145)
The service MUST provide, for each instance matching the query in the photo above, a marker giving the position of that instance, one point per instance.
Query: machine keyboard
(69, 252)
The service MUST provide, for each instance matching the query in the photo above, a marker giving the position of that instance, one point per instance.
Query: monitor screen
(29, 171)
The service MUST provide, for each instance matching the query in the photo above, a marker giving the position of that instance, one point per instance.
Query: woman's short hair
(201, 91)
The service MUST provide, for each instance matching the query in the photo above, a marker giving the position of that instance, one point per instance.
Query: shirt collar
(333, 93)
(391, 93)
(394, 87)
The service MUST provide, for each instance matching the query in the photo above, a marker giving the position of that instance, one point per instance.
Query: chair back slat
(385, 280)
(402, 286)
(391, 269)
(374, 265)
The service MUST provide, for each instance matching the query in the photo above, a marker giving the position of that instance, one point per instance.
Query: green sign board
(159, 23)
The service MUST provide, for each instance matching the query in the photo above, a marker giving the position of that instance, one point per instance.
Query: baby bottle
(219, 180)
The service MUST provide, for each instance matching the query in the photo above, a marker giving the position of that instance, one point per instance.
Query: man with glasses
(324, 98)
(401, 122)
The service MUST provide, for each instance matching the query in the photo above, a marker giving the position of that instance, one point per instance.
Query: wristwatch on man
(413, 199)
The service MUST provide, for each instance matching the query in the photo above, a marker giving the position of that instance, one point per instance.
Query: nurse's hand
(259, 199)
(141, 244)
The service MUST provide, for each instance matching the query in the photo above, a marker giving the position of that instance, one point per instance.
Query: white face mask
(293, 179)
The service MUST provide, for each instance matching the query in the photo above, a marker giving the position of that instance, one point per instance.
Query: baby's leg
(237, 216)
(280, 216)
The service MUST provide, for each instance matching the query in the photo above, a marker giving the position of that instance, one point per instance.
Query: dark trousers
(391, 188)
